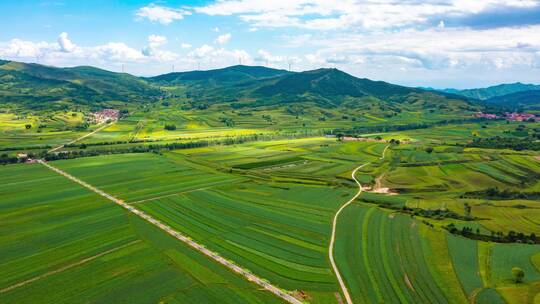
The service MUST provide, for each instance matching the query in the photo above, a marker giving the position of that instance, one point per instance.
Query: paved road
(334, 224)
(213, 255)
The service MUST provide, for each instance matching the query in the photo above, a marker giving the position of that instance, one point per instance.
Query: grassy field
(60, 232)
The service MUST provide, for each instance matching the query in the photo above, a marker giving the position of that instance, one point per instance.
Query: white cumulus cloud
(161, 14)
(222, 39)
(341, 14)
(65, 44)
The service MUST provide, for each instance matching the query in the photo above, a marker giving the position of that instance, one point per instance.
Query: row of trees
(499, 237)
(497, 142)
(403, 127)
(496, 193)
(156, 148)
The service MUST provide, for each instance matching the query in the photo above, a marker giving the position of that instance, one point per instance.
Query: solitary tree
(518, 274)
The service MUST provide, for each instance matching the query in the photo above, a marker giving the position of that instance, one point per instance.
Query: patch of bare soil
(408, 282)
(338, 297)
(378, 188)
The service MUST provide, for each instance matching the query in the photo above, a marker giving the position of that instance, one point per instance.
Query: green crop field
(390, 267)
(59, 232)
(268, 206)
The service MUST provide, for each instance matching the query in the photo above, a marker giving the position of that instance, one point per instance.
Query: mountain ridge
(493, 91)
(236, 86)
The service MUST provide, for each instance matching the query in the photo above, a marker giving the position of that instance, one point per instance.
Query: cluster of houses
(509, 116)
(105, 115)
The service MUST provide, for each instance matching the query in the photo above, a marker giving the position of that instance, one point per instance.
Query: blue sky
(438, 43)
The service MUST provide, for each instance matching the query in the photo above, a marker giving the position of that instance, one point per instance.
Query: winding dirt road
(334, 224)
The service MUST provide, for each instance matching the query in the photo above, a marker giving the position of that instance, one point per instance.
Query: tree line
(499, 237)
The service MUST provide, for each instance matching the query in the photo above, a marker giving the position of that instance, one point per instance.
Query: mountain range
(42, 87)
(513, 95)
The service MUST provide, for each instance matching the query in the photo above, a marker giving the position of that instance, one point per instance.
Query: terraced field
(59, 232)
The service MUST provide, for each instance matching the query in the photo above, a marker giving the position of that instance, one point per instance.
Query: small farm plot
(280, 232)
(464, 253)
(381, 259)
(54, 231)
(506, 256)
(459, 172)
(135, 177)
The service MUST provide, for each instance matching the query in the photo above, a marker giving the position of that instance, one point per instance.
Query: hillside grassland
(59, 232)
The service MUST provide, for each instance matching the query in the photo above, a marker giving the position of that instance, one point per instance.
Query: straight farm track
(213, 255)
(60, 232)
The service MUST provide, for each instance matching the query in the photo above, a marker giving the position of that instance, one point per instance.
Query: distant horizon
(276, 68)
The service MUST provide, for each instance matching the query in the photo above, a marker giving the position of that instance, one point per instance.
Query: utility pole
(173, 68)
(122, 68)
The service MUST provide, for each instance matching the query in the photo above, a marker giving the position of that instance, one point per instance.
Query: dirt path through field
(212, 255)
(64, 268)
(81, 138)
(334, 224)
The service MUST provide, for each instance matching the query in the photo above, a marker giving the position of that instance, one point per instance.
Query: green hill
(494, 91)
(329, 86)
(325, 88)
(526, 99)
(233, 74)
(41, 87)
